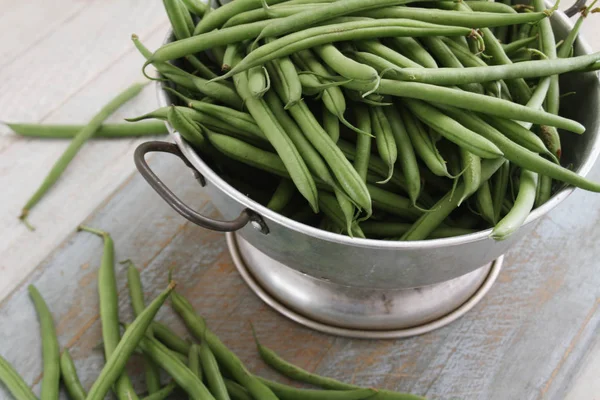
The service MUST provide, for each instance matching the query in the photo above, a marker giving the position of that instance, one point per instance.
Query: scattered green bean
(70, 378)
(118, 130)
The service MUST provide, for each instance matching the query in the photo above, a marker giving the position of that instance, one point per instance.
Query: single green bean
(484, 202)
(14, 383)
(456, 18)
(346, 66)
(428, 222)
(384, 140)
(473, 102)
(393, 203)
(524, 30)
(376, 229)
(380, 64)
(331, 208)
(50, 349)
(518, 134)
(216, 18)
(61, 131)
(115, 363)
(224, 356)
(499, 188)
(213, 374)
(284, 71)
(406, 154)
(363, 142)
(412, 49)
(526, 69)
(521, 208)
(236, 391)
(331, 124)
(423, 145)
(258, 81)
(452, 130)
(548, 47)
(162, 393)
(181, 374)
(294, 372)
(70, 377)
(189, 129)
(375, 47)
(321, 35)
(78, 141)
(513, 47)
(194, 361)
(109, 317)
(285, 392)
(170, 339)
(136, 294)
(471, 165)
(176, 12)
(544, 190)
(519, 155)
(196, 7)
(485, 6)
(282, 195)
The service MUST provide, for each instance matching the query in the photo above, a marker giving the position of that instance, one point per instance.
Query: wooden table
(534, 336)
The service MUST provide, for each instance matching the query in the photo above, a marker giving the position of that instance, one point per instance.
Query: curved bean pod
(282, 195)
(471, 165)
(186, 127)
(284, 70)
(70, 378)
(518, 134)
(14, 383)
(212, 372)
(384, 140)
(413, 50)
(499, 188)
(345, 66)
(285, 392)
(331, 124)
(484, 202)
(115, 130)
(216, 18)
(520, 210)
(374, 47)
(363, 142)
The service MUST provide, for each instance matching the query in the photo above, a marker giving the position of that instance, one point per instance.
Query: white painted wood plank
(81, 65)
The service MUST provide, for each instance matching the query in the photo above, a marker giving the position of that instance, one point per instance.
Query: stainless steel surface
(380, 264)
(348, 312)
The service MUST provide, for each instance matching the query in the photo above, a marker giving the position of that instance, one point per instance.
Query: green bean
(413, 50)
(331, 208)
(499, 188)
(169, 338)
(78, 141)
(423, 145)
(345, 66)
(281, 142)
(456, 18)
(473, 102)
(471, 165)
(333, 98)
(363, 142)
(284, 71)
(294, 372)
(519, 155)
(544, 190)
(224, 356)
(109, 317)
(61, 131)
(236, 391)
(136, 294)
(452, 130)
(116, 360)
(196, 7)
(14, 383)
(429, 221)
(300, 21)
(490, 7)
(331, 124)
(213, 374)
(70, 378)
(50, 350)
(285, 392)
(162, 393)
(194, 361)
(181, 374)
(513, 47)
(524, 31)
(189, 129)
(384, 139)
(567, 46)
(375, 47)
(282, 195)
(526, 69)
(376, 229)
(520, 210)
(393, 203)
(484, 203)
(548, 47)
(321, 35)
(406, 154)
(247, 17)
(258, 81)
(216, 18)
(380, 64)
(518, 134)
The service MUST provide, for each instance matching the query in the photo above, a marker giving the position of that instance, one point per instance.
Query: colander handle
(176, 203)
(575, 8)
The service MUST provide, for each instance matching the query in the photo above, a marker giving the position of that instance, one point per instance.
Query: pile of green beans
(448, 108)
(202, 368)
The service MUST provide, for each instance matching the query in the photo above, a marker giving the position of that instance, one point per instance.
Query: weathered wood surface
(526, 340)
(535, 336)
